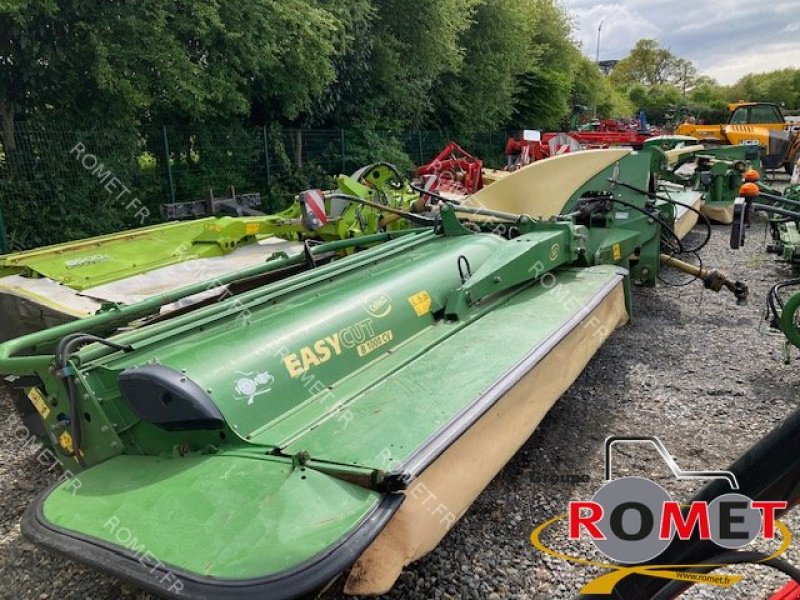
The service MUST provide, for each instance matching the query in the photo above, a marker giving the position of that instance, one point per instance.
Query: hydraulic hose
(706, 220)
(64, 349)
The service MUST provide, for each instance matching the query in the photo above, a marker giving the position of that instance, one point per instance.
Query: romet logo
(632, 520)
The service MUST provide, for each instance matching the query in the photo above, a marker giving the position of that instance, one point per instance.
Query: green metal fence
(60, 182)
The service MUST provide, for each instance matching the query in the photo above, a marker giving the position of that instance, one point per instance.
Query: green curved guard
(788, 322)
(217, 517)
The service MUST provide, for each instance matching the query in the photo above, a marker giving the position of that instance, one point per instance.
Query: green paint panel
(95, 261)
(291, 349)
(389, 410)
(222, 516)
(349, 368)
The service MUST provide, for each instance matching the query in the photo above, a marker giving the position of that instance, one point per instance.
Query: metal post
(4, 249)
(597, 61)
(597, 56)
(266, 160)
(170, 182)
(419, 143)
(344, 159)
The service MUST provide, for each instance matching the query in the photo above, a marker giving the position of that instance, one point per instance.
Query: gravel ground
(693, 368)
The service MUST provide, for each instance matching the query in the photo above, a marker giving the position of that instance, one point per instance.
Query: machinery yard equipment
(783, 213)
(526, 147)
(714, 173)
(784, 228)
(759, 124)
(52, 285)
(232, 205)
(717, 172)
(609, 133)
(260, 445)
(453, 170)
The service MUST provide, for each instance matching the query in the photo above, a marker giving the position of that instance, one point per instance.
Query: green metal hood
(221, 525)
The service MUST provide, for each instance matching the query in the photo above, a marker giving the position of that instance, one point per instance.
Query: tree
(656, 100)
(683, 74)
(781, 86)
(588, 85)
(654, 79)
(706, 92)
(408, 45)
(544, 88)
(648, 63)
(479, 96)
(134, 61)
(27, 53)
(593, 89)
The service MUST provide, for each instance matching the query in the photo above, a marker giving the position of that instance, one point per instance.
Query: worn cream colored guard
(676, 153)
(686, 222)
(687, 219)
(467, 467)
(543, 188)
(491, 176)
(720, 214)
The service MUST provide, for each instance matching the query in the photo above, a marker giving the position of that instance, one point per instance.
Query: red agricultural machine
(454, 171)
(526, 147)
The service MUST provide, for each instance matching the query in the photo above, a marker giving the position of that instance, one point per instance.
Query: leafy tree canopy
(463, 65)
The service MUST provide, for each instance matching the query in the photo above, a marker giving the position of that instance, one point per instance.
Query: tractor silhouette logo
(679, 473)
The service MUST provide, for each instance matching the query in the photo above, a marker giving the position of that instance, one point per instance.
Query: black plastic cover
(168, 399)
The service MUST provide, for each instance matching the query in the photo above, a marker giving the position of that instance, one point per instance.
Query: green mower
(346, 415)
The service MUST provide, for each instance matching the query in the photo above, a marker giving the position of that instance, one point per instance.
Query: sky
(723, 38)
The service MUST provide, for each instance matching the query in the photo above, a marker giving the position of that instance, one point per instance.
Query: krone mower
(345, 416)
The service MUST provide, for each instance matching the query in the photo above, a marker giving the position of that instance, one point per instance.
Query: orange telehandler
(756, 123)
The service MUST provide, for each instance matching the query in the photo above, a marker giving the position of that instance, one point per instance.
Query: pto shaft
(713, 279)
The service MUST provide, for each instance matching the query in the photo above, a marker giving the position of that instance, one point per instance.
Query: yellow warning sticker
(39, 402)
(616, 252)
(251, 228)
(421, 303)
(65, 441)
